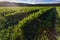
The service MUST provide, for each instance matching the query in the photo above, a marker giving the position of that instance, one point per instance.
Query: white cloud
(9, 0)
(34, 1)
(42, 1)
(57, 0)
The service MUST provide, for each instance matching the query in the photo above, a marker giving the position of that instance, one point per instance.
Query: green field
(30, 23)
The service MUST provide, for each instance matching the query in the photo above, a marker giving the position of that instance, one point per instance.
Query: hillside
(29, 23)
(12, 4)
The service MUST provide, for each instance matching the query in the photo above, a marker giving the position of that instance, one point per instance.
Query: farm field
(30, 23)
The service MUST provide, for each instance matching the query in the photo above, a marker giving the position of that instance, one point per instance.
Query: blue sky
(34, 1)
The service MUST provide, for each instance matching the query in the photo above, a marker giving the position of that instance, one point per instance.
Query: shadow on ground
(42, 28)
